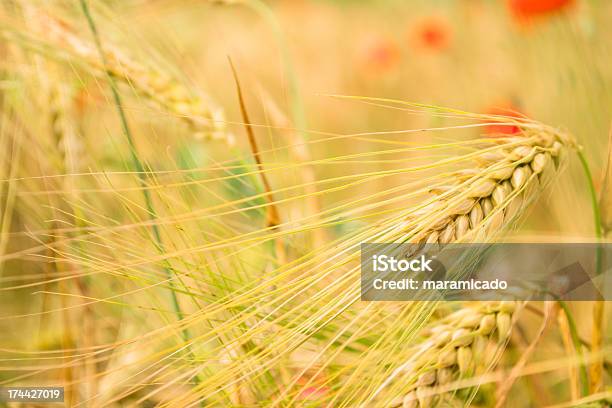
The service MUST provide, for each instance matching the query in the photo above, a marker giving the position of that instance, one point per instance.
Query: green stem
(140, 169)
(596, 211)
(584, 380)
(133, 152)
(598, 307)
(593, 195)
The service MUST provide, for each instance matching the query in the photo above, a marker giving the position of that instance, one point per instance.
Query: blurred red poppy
(503, 109)
(527, 9)
(432, 33)
(314, 392)
(382, 55)
(87, 97)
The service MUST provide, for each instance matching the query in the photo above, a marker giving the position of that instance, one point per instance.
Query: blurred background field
(90, 242)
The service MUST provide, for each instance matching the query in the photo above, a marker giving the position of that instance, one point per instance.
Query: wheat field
(185, 186)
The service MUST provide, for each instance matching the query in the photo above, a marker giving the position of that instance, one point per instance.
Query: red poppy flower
(382, 55)
(314, 391)
(503, 109)
(527, 9)
(432, 33)
(311, 393)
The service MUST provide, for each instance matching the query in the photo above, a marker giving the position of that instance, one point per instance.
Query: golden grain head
(502, 185)
(204, 119)
(465, 342)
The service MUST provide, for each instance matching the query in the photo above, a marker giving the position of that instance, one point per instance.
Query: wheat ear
(481, 201)
(164, 91)
(464, 343)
